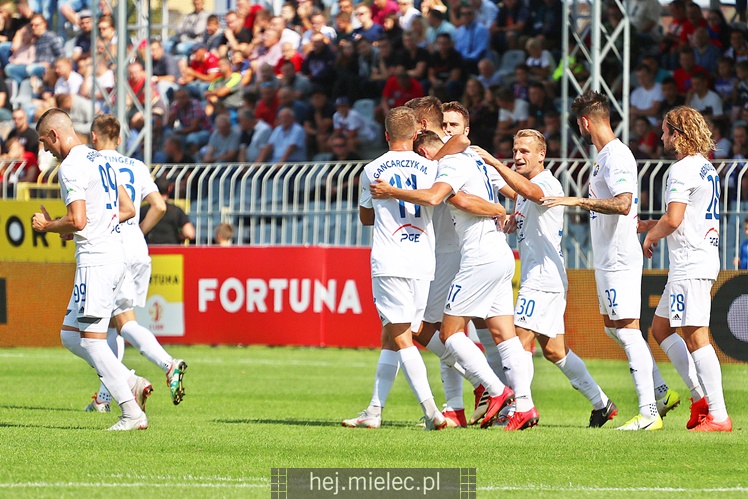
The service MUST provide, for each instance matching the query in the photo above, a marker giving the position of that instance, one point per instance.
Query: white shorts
(134, 290)
(540, 312)
(400, 301)
(687, 302)
(619, 293)
(482, 291)
(447, 265)
(93, 297)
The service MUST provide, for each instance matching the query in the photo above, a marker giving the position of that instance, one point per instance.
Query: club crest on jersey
(408, 236)
(596, 170)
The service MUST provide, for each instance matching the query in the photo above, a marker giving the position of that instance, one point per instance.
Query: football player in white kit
(88, 186)
(402, 259)
(612, 201)
(541, 302)
(482, 287)
(691, 226)
(135, 177)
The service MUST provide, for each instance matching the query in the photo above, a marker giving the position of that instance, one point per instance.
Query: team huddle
(440, 259)
(103, 191)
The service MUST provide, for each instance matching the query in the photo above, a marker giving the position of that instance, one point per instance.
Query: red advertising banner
(313, 296)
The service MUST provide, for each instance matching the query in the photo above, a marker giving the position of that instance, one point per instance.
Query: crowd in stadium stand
(257, 85)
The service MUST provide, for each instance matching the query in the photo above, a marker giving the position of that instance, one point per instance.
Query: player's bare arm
(154, 214)
(619, 205)
(366, 215)
(665, 226)
(455, 145)
(476, 205)
(645, 225)
(73, 221)
(432, 196)
(516, 182)
(126, 207)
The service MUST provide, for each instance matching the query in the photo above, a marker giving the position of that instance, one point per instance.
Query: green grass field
(248, 410)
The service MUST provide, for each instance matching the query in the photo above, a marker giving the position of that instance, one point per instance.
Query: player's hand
(39, 222)
(67, 237)
(379, 189)
(510, 226)
(486, 156)
(550, 202)
(645, 226)
(648, 246)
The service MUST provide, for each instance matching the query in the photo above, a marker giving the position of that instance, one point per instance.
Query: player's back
(614, 240)
(135, 177)
(403, 239)
(539, 231)
(86, 175)
(694, 246)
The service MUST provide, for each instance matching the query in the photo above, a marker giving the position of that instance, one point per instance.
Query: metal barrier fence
(316, 203)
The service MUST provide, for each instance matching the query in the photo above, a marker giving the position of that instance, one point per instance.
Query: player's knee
(553, 354)
(70, 339)
(629, 337)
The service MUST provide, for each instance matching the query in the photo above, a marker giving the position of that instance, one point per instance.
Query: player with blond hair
(691, 226)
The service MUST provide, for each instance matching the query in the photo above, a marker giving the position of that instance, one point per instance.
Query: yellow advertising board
(20, 243)
(163, 313)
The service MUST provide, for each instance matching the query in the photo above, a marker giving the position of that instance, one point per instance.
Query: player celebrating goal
(135, 177)
(88, 186)
(691, 226)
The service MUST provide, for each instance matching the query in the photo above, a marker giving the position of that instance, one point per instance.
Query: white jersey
(135, 177)
(444, 226)
(539, 230)
(614, 240)
(479, 237)
(85, 175)
(694, 246)
(403, 240)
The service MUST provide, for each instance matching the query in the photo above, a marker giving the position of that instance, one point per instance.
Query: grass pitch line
(549, 488)
(54, 485)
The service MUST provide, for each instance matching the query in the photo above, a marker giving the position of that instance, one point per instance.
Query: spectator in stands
(471, 39)
(381, 8)
(320, 62)
(26, 135)
(485, 12)
(513, 113)
(223, 145)
(446, 70)
(188, 120)
(289, 54)
(687, 69)
(349, 123)
(287, 142)
(371, 81)
(235, 37)
(201, 71)
(646, 144)
(165, 70)
(80, 111)
(224, 234)
(191, 28)
(399, 89)
(22, 50)
(540, 105)
(413, 58)
(213, 36)
(419, 29)
(694, 19)
(108, 35)
(296, 82)
(670, 97)
(318, 123)
(368, 29)
(488, 76)
(248, 11)
(286, 99)
(6, 109)
(267, 106)
(68, 81)
(48, 47)
(738, 50)
(174, 152)
(701, 98)
(723, 146)
(16, 152)
(253, 136)
(11, 23)
(539, 61)
(138, 81)
(393, 31)
(269, 50)
(175, 226)
(82, 44)
(725, 82)
(438, 25)
(705, 53)
(225, 92)
(719, 29)
(347, 80)
(658, 73)
(343, 27)
(646, 99)
(387, 60)
(287, 34)
(427, 6)
(483, 114)
(319, 26)
(511, 24)
(644, 16)
(521, 84)
(547, 24)
(408, 13)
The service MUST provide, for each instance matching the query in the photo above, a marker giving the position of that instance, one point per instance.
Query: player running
(135, 177)
(691, 226)
(88, 186)
(541, 302)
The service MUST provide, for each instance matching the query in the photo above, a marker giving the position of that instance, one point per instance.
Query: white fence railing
(316, 203)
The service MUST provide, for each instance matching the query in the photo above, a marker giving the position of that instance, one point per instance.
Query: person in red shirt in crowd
(201, 71)
(647, 144)
(290, 54)
(248, 11)
(694, 19)
(687, 69)
(380, 9)
(399, 89)
(267, 106)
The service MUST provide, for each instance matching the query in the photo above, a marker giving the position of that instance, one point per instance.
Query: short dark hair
(163, 184)
(591, 103)
(107, 126)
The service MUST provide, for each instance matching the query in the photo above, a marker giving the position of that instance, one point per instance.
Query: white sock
(387, 368)
(492, 354)
(660, 385)
(112, 372)
(147, 344)
(415, 373)
(469, 356)
(675, 348)
(710, 374)
(453, 384)
(130, 409)
(514, 358)
(640, 365)
(611, 333)
(581, 379)
(72, 341)
(436, 347)
(116, 343)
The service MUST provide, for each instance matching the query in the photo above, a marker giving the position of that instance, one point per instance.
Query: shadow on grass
(45, 409)
(309, 422)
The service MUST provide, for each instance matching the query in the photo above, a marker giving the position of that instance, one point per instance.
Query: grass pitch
(248, 410)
